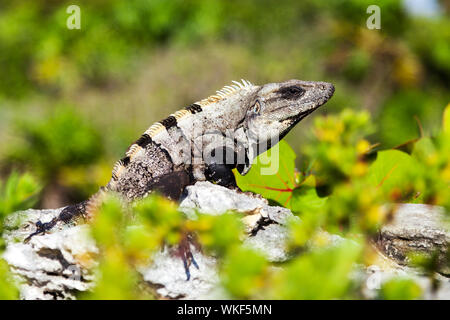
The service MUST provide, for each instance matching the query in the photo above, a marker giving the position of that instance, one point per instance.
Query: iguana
(205, 141)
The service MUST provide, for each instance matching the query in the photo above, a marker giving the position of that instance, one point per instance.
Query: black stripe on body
(169, 122)
(194, 108)
(125, 161)
(143, 141)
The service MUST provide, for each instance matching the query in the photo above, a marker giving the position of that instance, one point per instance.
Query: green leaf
(390, 169)
(117, 279)
(305, 198)
(272, 175)
(64, 138)
(423, 148)
(308, 205)
(108, 222)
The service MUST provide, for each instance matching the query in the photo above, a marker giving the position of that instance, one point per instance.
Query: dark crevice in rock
(261, 224)
(54, 255)
(57, 295)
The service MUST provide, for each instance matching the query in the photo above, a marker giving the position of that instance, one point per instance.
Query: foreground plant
(18, 192)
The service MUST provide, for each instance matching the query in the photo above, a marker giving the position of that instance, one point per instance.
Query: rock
(59, 264)
(209, 198)
(418, 228)
(373, 277)
(52, 266)
(268, 221)
(168, 276)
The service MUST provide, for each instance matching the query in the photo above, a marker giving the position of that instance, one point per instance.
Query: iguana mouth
(293, 120)
(298, 117)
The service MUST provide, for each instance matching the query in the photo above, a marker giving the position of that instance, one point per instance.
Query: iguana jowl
(206, 140)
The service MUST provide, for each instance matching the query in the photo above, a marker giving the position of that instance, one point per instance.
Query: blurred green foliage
(117, 278)
(18, 192)
(354, 190)
(343, 162)
(400, 289)
(57, 149)
(7, 289)
(62, 139)
(319, 274)
(71, 101)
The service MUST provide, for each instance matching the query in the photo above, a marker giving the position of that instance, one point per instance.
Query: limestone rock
(59, 264)
(54, 265)
(419, 228)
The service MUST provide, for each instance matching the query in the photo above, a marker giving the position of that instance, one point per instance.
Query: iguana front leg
(170, 185)
(68, 214)
(221, 174)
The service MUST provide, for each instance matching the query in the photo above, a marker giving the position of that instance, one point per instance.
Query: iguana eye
(257, 107)
(292, 92)
(295, 90)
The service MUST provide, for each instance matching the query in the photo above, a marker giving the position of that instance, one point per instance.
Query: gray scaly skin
(205, 141)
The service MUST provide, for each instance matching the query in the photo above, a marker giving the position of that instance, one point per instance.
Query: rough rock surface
(57, 264)
(53, 266)
(419, 228)
(374, 276)
(60, 263)
(213, 199)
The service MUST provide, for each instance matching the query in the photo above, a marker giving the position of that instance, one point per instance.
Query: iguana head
(275, 108)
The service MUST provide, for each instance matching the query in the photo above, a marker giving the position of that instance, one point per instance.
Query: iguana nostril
(331, 88)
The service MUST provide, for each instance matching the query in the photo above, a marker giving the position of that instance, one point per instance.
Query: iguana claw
(41, 228)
